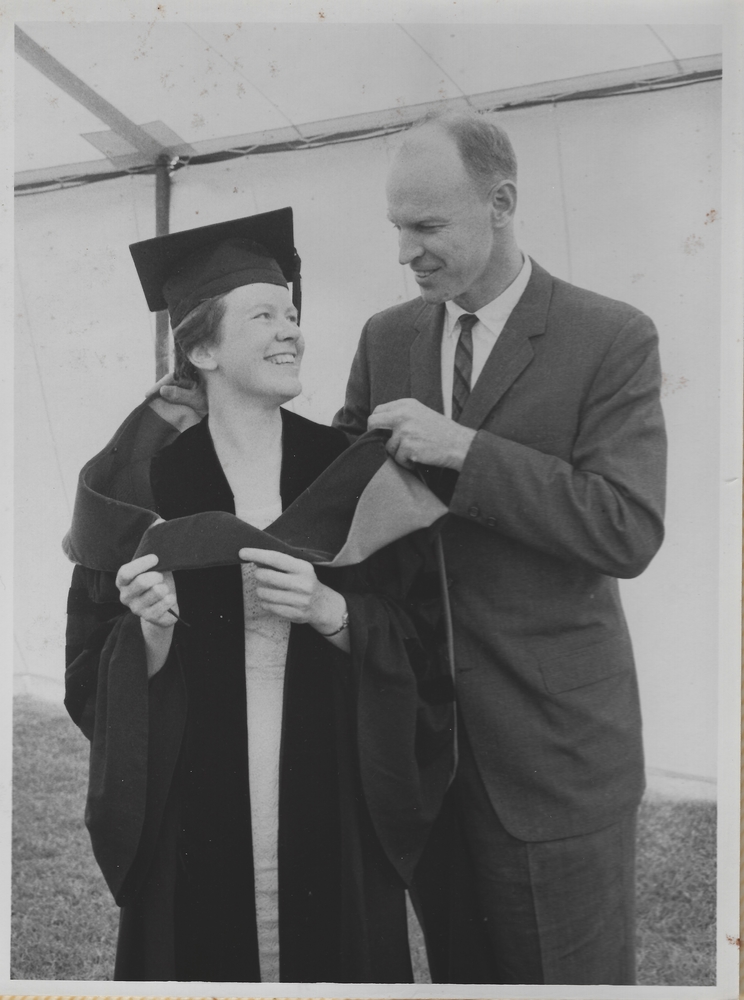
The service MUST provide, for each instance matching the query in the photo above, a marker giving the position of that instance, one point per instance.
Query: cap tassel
(297, 285)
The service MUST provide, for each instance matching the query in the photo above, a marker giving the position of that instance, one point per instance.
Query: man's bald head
(485, 149)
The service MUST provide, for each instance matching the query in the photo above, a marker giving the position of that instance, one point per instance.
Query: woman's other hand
(151, 596)
(289, 588)
(147, 593)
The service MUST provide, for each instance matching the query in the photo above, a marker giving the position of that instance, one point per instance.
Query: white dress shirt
(491, 321)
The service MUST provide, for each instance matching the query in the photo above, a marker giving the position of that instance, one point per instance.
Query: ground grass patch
(64, 921)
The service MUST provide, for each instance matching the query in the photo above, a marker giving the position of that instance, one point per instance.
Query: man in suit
(543, 401)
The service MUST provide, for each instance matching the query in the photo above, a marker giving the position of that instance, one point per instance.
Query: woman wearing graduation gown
(270, 744)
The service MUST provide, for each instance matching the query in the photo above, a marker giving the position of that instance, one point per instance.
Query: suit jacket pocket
(587, 665)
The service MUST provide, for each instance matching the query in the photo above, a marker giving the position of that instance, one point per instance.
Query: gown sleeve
(401, 693)
(93, 609)
(133, 726)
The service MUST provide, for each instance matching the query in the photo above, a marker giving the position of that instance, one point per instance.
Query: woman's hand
(151, 596)
(147, 593)
(289, 588)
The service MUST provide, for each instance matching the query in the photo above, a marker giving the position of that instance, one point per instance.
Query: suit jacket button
(491, 522)
(474, 511)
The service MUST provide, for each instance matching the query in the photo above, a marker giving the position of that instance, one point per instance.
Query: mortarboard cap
(180, 270)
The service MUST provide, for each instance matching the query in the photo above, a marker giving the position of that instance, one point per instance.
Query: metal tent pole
(162, 228)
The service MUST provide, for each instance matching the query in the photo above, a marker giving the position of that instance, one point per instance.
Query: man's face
(446, 230)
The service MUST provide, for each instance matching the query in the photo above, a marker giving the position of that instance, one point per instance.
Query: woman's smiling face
(259, 347)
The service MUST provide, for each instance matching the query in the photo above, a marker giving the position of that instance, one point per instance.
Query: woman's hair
(200, 326)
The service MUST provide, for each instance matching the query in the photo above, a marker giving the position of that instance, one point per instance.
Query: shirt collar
(496, 312)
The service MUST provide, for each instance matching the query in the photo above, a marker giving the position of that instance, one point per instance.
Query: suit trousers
(554, 912)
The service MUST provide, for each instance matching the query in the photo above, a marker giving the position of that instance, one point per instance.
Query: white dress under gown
(266, 641)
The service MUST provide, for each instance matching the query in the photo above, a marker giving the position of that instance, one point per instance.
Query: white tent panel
(640, 246)
(206, 81)
(516, 55)
(84, 340)
(162, 72)
(82, 302)
(343, 69)
(49, 123)
(685, 41)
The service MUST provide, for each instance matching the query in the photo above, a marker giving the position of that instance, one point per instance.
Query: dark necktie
(463, 365)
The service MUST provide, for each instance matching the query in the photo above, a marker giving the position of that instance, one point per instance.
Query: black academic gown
(366, 754)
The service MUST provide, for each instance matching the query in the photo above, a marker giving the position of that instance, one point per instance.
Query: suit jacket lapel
(513, 351)
(426, 358)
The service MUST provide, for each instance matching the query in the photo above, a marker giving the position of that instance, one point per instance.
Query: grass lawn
(676, 898)
(64, 921)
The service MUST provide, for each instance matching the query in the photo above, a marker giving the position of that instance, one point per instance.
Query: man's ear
(503, 198)
(202, 357)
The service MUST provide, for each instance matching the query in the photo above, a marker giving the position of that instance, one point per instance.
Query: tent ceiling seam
(667, 48)
(250, 83)
(697, 71)
(434, 61)
(26, 672)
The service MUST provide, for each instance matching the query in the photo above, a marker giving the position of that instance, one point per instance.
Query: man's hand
(179, 406)
(195, 398)
(420, 435)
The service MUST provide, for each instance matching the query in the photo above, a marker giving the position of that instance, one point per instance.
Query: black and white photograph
(373, 545)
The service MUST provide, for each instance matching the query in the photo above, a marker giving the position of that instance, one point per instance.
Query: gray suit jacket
(561, 493)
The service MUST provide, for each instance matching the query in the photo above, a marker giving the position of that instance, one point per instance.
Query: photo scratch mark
(669, 385)
(692, 244)
(143, 47)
